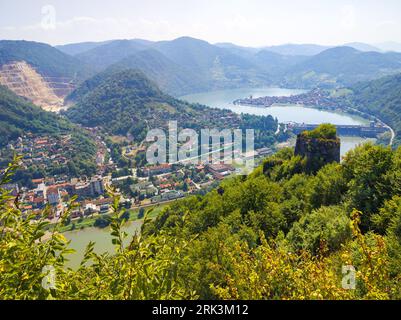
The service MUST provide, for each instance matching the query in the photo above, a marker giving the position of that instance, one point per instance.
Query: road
(379, 120)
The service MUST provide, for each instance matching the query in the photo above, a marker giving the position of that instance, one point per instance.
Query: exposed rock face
(318, 152)
(24, 80)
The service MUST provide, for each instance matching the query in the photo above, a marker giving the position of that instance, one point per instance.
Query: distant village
(315, 97)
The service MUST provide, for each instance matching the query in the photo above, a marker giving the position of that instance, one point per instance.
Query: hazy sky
(244, 22)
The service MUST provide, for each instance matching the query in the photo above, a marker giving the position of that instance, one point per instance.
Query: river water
(102, 238)
(223, 99)
(284, 113)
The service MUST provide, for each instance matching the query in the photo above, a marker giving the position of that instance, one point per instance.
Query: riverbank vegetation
(131, 215)
(279, 233)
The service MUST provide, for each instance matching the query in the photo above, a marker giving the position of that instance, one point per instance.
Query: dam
(371, 131)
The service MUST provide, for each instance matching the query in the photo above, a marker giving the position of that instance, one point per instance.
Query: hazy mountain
(77, 48)
(343, 65)
(217, 66)
(389, 46)
(275, 63)
(107, 54)
(246, 52)
(47, 60)
(169, 76)
(297, 49)
(364, 47)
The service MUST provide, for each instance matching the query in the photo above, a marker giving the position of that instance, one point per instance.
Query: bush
(324, 131)
(101, 222)
(141, 213)
(325, 228)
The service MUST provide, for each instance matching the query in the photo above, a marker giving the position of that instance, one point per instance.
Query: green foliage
(326, 228)
(144, 269)
(17, 116)
(366, 168)
(324, 132)
(141, 213)
(101, 222)
(381, 98)
(280, 234)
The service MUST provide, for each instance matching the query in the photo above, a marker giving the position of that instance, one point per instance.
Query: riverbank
(317, 99)
(88, 222)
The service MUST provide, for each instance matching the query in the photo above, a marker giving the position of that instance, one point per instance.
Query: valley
(102, 150)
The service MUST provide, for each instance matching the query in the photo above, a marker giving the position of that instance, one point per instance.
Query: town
(138, 187)
(316, 97)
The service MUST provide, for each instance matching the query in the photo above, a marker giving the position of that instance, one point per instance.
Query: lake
(223, 99)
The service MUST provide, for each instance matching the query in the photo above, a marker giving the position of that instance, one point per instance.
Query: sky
(253, 23)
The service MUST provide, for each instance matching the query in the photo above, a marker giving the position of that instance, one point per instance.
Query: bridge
(346, 130)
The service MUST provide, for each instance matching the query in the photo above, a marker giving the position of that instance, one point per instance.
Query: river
(101, 237)
(223, 99)
(284, 113)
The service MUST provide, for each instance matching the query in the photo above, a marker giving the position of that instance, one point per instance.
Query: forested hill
(126, 102)
(342, 66)
(382, 98)
(283, 233)
(18, 116)
(169, 76)
(47, 60)
(279, 233)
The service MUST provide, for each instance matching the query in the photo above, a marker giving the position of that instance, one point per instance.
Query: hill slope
(39, 72)
(111, 52)
(76, 48)
(169, 76)
(48, 61)
(127, 103)
(297, 49)
(343, 66)
(187, 65)
(20, 118)
(217, 66)
(382, 98)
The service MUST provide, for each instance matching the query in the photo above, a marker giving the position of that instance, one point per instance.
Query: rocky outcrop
(25, 81)
(318, 152)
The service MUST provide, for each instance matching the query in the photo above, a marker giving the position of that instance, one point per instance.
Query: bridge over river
(371, 131)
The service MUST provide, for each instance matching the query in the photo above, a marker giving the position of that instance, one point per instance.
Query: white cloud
(84, 28)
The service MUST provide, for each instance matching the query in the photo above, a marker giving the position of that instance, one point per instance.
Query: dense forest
(282, 232)
(381, 98)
